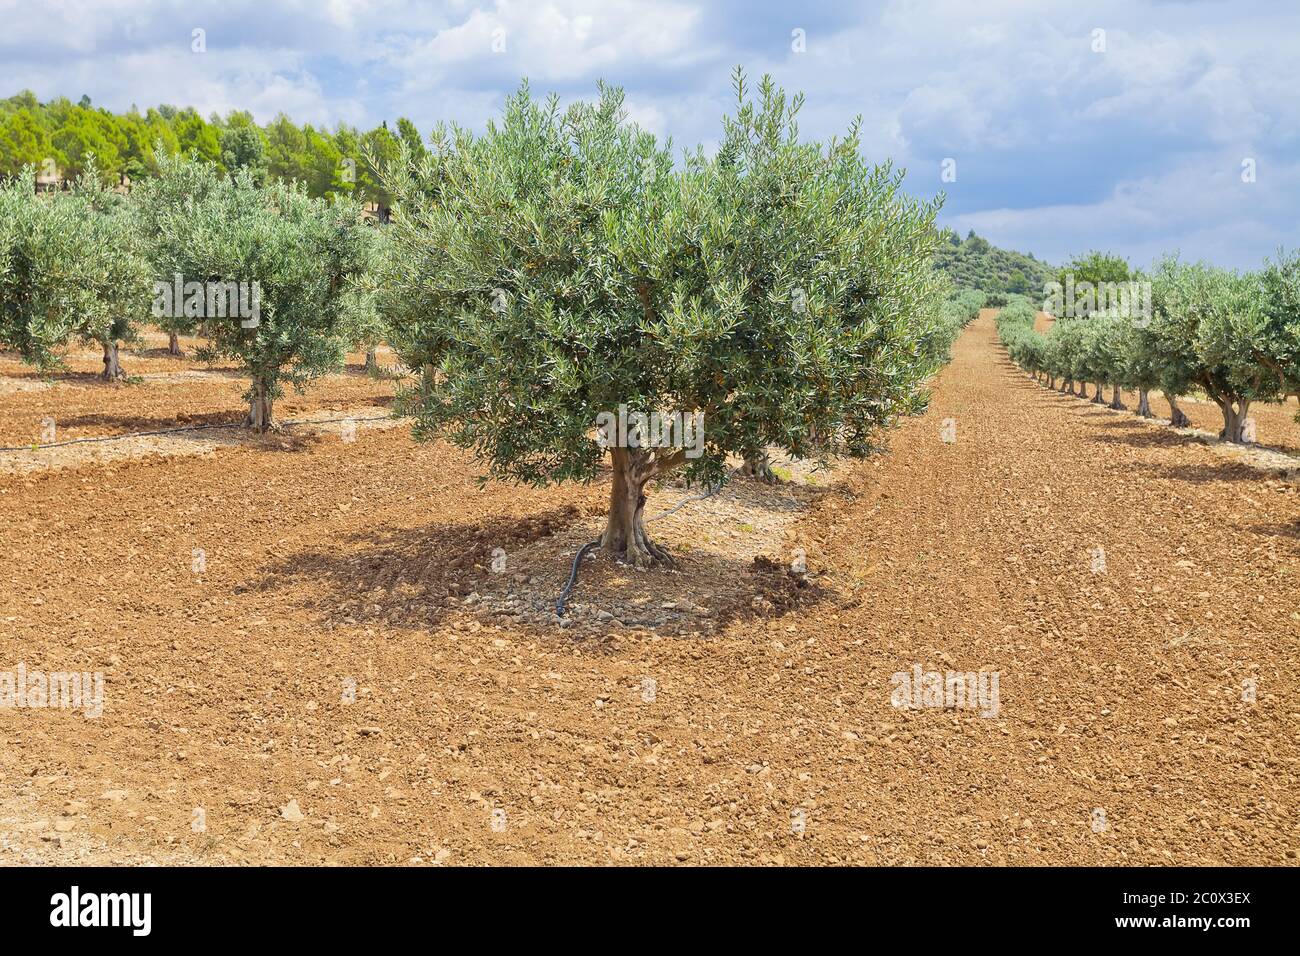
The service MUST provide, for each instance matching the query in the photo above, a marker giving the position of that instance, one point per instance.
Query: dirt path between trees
(322, 691)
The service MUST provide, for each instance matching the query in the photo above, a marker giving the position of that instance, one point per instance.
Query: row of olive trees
(90, 266)
(556, 268)
(1233, 336)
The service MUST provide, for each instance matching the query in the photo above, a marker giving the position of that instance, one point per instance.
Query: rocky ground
(365, 665)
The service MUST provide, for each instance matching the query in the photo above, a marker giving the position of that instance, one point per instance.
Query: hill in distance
(975, 263)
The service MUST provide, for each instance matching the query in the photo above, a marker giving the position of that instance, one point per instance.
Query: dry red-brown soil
(349, 680)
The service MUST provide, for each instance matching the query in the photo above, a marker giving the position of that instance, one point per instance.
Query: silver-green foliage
(302, 254)
(71, 269)
(1234, 336)
(558, 266)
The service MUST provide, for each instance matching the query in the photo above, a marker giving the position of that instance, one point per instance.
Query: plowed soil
(345, 680)
(164, 391)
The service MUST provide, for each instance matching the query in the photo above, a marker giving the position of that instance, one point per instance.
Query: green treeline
(59, 138)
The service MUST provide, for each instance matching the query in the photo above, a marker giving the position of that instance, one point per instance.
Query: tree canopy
(558, 268)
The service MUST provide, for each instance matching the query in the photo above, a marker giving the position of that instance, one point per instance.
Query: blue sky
(1064, 139)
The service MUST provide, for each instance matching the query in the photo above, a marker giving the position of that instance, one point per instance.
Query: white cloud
(1136, 146)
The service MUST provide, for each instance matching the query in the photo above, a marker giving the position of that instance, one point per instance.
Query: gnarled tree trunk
(1144, 403)
(174, 344)
(1098, 398)
(1177, 419)
(1117, 399)
(625, 536)
(372, 361)
(112, 363)
(259, 406)
(1234, 419)
(759, 467)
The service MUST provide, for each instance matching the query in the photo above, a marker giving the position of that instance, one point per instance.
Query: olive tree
(1143, 369)
(1025, 346)
(1066, 352)
(366, 326)
(1109, 347)
(556, 272)
(157, 203)
(268, 269)
(1271, 333)
(1199, 314)
(70, 270)
(1167, 342)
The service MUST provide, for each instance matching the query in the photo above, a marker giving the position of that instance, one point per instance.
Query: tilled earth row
(293, 672)
(164, 392)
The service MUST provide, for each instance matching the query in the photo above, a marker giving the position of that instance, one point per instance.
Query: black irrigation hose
(573, 576)
(185, 428)
(563, 599)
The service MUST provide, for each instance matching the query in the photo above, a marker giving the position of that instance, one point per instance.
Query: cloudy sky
(1134, 127)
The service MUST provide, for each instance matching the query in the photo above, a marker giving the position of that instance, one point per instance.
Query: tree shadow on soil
(379, 573)
(294, 406)
(1140, 436)
(420, 578)
(68, 377)
(187, 354)
(1145, 436)
(198, 373)
(1202, 474)
(1279, 529)
(126, 422)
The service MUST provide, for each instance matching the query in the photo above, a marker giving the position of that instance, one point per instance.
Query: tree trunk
(1177, 419)
(1067, 387)
(173, 344)
(259, 406)
(1051, 381)
(372, 361)
(1234, 419)
(112, 363)
(1117, 400)
(625, 536)
(1144, 403)
(759, 467)
(1098, 398)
